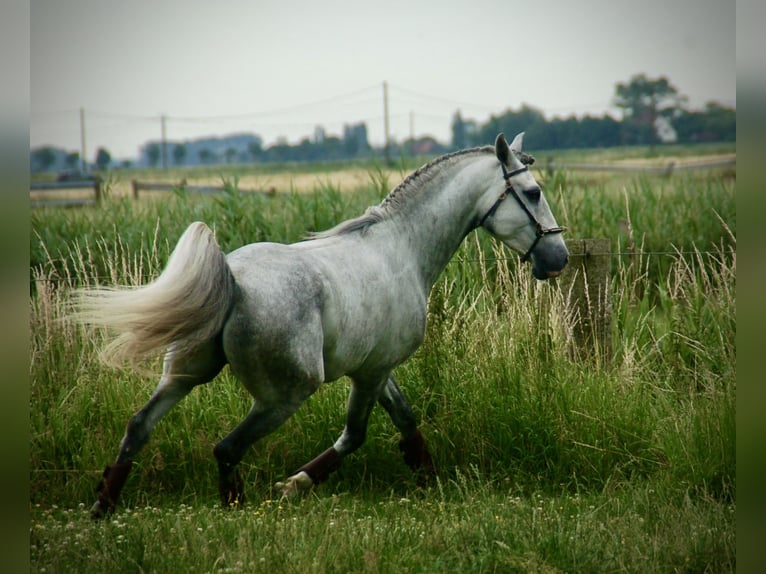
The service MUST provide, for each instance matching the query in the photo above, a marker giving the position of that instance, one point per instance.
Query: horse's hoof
(232, 504)
(416, 454)
(232, 498)
(294, 484)
(232, 490)
(97, 511)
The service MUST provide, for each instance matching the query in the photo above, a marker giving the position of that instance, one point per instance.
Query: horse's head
(520, 216)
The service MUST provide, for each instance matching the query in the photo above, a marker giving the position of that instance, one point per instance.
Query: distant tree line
(353, 144)
(248, 148)
(652, 113)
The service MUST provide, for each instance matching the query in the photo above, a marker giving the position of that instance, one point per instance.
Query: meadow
(546, 461)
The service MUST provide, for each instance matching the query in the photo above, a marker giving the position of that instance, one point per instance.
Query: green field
(545, 463)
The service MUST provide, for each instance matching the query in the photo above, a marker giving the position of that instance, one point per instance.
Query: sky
(280, 68)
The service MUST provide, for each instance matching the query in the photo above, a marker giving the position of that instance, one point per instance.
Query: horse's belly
(373, 344)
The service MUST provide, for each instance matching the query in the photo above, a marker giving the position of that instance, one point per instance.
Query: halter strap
(540, 231)
(509, 174)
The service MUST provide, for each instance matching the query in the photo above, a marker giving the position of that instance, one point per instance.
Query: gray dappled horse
(349, 301)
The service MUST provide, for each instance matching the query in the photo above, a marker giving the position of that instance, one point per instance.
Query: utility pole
(164, 143)
(83, 157)
(387, 147)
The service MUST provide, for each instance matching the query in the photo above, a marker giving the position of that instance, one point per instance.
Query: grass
(463, 526)
(546, 463)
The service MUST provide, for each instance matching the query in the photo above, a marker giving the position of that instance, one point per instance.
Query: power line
(371, 94)
(417, 96)
(431, 98)
(337, 99)
(122, 116)
(345, 98)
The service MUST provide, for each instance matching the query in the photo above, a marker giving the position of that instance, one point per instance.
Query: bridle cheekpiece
(540, 231)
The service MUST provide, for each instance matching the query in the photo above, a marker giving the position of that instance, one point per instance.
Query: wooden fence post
(98, 189)
(586, 285)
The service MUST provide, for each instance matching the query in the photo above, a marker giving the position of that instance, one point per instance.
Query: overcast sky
(279, 68)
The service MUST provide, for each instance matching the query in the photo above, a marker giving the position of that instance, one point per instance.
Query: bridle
(540, 231)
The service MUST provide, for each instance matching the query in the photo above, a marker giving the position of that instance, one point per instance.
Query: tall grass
(544, 462)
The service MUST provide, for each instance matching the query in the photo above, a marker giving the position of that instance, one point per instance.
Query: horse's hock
(586, 284)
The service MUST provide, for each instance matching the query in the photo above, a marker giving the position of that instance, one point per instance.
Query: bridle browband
(540, 231)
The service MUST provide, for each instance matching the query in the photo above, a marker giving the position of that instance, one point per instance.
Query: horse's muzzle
(548, 266)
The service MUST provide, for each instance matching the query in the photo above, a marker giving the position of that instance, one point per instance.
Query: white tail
(184, 307)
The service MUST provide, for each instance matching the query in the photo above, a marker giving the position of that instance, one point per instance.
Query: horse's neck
(433, 224)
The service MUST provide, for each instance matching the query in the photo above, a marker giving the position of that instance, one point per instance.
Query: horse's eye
(533, 194)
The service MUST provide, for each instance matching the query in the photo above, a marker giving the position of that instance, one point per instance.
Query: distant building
(355, 139)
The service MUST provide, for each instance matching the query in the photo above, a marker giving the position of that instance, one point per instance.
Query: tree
(103, 158)
(44, 158)
(72, 159)
(153, 153)
(179, 154)
(205, 155)
(598, 132)
(280, 151)
(255, 149)
(715, 123)
(645, 103)
(330, 148)
(459, 140)
(527, 119)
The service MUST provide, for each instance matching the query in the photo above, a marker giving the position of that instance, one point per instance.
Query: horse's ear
(516, 143)
(501, 149)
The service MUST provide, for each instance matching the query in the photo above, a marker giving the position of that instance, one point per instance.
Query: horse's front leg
(312, 473)
(360, 404)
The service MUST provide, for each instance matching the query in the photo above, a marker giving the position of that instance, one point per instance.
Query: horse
(349, 301)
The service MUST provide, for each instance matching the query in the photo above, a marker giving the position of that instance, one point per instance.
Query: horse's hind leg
(413, 446)
(260, 421)
(180, 375)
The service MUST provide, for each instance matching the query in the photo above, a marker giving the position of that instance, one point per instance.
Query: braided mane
(409, 187)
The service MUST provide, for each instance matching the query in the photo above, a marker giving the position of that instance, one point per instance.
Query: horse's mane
(399, 195)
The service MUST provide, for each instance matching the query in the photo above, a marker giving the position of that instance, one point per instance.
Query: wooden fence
(666, 169)
(94, 187)
(139, 186)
